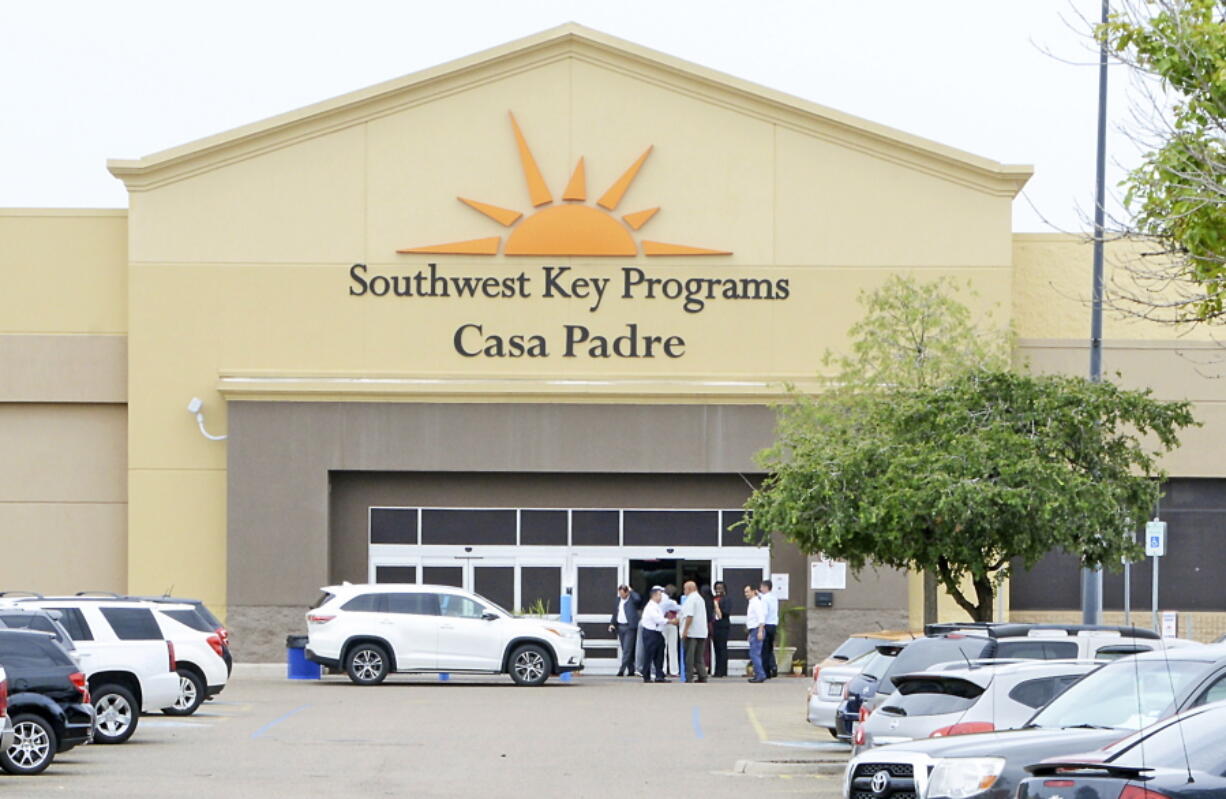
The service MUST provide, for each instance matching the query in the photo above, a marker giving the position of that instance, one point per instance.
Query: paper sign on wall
(1170, 624)
(780, 586)
(826, 574)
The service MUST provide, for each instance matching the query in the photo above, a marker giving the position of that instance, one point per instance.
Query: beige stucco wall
(63, 385)
(63, 496)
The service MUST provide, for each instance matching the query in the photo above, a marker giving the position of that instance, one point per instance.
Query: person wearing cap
(625, 622)
(653, 625)
(755, 625)
(694, 632)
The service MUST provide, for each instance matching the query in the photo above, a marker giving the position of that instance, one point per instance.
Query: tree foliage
(915, 333)
(963, 476)
(1177, 196)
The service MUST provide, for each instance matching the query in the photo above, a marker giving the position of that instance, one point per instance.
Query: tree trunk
(985, 595)
(931, 614)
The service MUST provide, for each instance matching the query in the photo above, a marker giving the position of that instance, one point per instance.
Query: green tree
(962, 477)
(1177, 196)
(914, 334)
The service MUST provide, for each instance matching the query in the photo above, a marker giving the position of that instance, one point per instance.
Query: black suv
(48, 701)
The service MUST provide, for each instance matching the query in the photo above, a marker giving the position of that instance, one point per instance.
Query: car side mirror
(489, 616)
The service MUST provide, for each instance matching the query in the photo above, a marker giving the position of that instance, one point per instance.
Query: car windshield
(1125, 694)
(926, 652)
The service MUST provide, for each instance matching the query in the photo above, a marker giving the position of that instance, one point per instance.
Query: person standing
(653, 624)
(625, 622)
(708, 600)
(671, 611)
(770, 603)
(694, 632)
(755, 624)
(721, 627)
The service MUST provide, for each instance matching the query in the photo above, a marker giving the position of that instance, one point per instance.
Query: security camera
(195, 405)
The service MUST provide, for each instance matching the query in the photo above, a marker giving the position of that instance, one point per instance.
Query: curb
(771, 768)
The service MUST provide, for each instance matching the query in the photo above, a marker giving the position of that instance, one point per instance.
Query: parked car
(969, 641)
(858, 644)
(6, 724)
(129, 664)
(826, 689)
(199, 651)
(1118, 699)
(1179, 758)
(960, 698)
(373, 630)
(198, 618)
(48, 701)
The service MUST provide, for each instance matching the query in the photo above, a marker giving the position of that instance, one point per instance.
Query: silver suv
(961, 698)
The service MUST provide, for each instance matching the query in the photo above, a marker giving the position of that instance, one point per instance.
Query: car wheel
(118, 714)
(191, 694)
(33, 746)
(367, 664)
(529, 665)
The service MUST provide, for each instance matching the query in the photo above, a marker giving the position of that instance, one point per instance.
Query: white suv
(372, 630)
(129, 663)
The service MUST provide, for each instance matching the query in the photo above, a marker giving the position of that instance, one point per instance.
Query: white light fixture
(195, 407)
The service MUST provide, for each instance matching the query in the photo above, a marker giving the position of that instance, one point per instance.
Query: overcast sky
(81, 82)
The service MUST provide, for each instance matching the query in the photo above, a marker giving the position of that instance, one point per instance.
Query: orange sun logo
(571, 228)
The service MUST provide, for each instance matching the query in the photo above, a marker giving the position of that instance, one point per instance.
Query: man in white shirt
(755, 624)
(653, 625)
(771, 604)
(694, 632)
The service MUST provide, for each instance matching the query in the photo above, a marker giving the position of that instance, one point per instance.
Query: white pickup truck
(126, 658)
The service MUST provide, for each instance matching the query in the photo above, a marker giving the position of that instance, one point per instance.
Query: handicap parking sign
(1155, 538)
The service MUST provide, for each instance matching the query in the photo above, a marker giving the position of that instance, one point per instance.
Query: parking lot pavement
(597, 736)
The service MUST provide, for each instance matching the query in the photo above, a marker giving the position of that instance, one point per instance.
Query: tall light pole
(1092, 579)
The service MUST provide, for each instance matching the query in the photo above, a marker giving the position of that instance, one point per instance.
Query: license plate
(834, 689)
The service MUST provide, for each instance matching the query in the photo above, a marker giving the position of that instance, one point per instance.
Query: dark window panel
(597, 589)
(393, 525)
(671, 528)
(736, 536)
(594, 528)
(540, 582)
(470, 527)
(496, 583)
(443, 575)
(395, 574)
(596, 630)
(542, 527)
(736, 580)
(366, 603)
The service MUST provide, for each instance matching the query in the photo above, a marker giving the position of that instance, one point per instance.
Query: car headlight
(564, 632)
(959, 777)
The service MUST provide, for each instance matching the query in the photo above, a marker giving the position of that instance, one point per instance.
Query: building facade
(514, 323)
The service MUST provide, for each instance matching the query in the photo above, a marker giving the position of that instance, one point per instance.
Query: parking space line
(757, 725)
(696, 722)
(262, 730)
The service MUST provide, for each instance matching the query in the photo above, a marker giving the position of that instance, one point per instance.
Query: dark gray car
(1120, 698)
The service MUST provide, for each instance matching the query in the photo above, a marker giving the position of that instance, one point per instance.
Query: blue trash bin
(297, 665)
